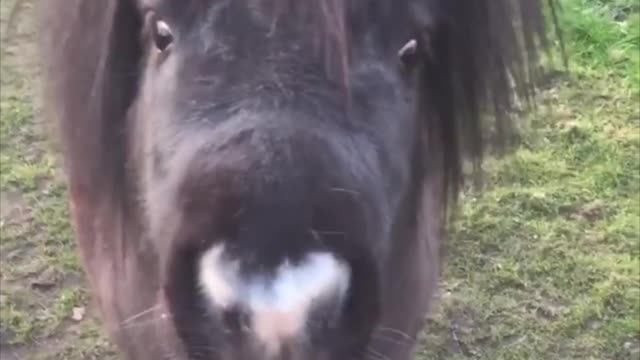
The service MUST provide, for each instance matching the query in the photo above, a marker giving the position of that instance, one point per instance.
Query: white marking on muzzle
(279, 305)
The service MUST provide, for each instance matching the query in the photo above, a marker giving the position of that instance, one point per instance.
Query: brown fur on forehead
(460, 75)
(322, 12)
(322, 24)
(460, 80)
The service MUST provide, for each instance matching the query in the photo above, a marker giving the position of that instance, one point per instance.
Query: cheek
(156, 108)
(152, 127)
(191, 321)
(159, 180)
(157, 155)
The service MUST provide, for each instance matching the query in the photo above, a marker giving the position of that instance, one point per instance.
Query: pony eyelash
(163, 28)
(158, 30)
(162, 35)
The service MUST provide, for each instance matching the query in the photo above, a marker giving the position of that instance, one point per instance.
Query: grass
(543, 264)
(40, 279)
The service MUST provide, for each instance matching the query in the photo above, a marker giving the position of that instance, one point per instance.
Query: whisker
(330, 233)
(346, 191)
(378, 355)
(396, 332)
(402, 341)
(170, 355)
(140, 324)
(139, 315)
(205, 348)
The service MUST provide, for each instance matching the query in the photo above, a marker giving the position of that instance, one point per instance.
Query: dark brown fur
(93, 57)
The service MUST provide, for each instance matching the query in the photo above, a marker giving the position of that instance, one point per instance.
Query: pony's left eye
(162, 34)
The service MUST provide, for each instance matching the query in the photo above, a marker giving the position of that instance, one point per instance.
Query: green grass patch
(41, 282)
(603, 38)
(545, 263)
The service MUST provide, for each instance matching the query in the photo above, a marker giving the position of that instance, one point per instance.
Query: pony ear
(475, 54)
(91, 54)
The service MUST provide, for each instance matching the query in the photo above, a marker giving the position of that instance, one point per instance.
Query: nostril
(324, 321)
(236, 320)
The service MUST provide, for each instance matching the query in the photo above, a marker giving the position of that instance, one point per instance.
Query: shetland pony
(270, 179)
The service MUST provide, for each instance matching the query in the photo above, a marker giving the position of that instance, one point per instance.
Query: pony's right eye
(161, 34)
